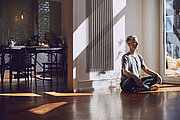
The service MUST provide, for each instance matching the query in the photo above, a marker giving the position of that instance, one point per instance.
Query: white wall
(80, 42)
(134, 20)
(151, 33)
(138, 17)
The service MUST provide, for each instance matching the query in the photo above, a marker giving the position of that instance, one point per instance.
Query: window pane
(172, 33)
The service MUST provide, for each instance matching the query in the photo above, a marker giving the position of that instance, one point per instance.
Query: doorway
(171, 41)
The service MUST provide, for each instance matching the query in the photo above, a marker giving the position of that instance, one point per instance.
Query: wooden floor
(102, 104)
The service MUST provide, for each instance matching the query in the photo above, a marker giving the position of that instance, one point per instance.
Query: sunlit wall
(128, 19)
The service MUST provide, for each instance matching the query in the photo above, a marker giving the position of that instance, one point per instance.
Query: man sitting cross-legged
(132, 63)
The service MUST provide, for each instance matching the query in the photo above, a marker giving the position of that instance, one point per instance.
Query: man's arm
(131, 75)
(151, 72)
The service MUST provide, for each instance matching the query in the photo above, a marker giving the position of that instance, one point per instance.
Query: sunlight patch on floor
(165, 85)
(68, 94)
(43, 109)
(20, 94)
(168, 89)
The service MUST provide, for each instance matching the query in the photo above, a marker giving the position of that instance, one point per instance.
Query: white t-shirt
(134, 63)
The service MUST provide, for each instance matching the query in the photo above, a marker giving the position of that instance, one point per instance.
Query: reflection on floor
(102, 104)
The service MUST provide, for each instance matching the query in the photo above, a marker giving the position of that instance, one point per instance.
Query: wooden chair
(54, 66)
(21, 63)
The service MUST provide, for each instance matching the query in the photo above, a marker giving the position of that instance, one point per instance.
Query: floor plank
(102, 104)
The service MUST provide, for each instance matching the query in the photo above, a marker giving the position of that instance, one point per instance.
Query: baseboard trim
(99, 80)
(85, 85)
(86, 89)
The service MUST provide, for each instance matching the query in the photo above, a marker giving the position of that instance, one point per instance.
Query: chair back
(22, 58)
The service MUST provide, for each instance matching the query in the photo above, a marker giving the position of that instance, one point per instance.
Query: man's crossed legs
(129, 85)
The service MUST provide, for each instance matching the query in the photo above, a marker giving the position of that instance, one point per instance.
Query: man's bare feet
(154, 88)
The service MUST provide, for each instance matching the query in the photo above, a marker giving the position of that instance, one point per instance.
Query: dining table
(6, 54)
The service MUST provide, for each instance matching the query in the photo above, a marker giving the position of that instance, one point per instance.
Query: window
(44, 11)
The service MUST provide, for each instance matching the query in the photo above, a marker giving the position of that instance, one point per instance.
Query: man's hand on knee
(138, 82)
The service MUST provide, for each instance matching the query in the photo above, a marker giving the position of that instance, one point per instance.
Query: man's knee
(154, 79)
(128, 84)
(125, 88)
